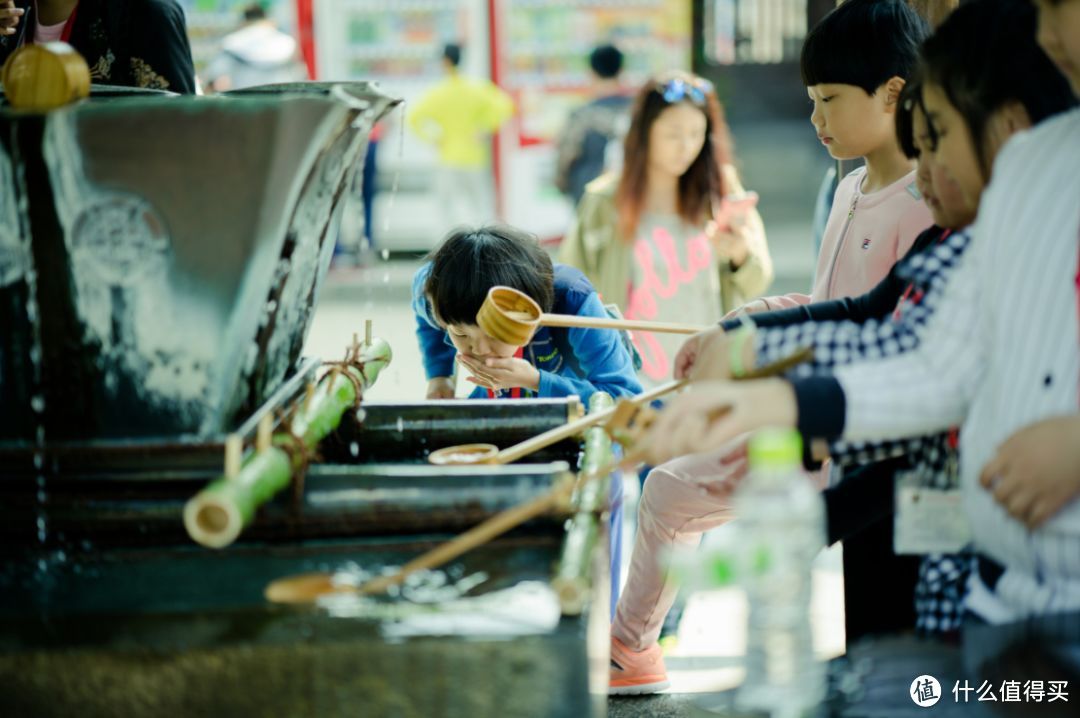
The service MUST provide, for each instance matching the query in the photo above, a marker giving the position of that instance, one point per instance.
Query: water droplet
(354, 449)
(37, 403)
(271, 306)
(39, 462)
(385, 254)
(386, 278)
(361, 415)
(400, 425)
(41, 497)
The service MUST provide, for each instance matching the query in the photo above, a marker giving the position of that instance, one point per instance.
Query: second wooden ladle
(512, 317)
(489, 453)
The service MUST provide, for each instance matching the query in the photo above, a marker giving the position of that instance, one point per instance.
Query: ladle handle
(570, 320)
(479, 535)
(541, 441)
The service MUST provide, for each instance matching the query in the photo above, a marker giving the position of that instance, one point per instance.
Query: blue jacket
(571, 361)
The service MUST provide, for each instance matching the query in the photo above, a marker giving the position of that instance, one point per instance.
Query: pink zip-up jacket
(864, 237)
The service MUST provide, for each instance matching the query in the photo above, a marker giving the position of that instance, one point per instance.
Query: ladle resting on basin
(464, 454)
(474, 454)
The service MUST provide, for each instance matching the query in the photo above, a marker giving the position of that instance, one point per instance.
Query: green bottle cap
(775, 448)
(721, 572)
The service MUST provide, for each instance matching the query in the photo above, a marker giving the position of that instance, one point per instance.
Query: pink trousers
(680, 501)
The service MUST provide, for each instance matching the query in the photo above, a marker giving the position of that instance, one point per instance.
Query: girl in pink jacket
(855, 63)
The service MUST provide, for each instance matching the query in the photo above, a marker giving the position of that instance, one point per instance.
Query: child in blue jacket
(448, 291)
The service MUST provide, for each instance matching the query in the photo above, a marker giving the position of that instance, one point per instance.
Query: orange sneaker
(636, 672)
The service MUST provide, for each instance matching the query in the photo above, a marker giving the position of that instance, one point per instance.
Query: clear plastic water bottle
(781, 528)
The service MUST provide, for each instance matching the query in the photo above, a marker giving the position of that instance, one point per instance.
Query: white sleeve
(929, 387)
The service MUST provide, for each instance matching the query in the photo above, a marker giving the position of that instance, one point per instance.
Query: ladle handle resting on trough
(216, 515)
(566, 431)
(305, 588)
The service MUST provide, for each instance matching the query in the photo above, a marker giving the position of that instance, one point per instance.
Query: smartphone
(734, 205)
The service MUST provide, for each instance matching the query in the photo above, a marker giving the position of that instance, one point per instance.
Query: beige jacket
(593, 246)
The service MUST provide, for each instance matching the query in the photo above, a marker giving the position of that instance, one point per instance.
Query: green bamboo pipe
(216, 515)
(572, 577)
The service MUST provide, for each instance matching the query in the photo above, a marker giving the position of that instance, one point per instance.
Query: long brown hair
(702, 183)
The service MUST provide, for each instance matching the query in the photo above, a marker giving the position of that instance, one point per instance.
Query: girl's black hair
(910, 100)
(984, 56)
(863, 43)
(469, 262)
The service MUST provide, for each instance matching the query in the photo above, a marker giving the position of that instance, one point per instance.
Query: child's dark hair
(985, 56)
(909, 101)
(452, 53)
(253, 11)
(606, 61)
(863, 43)
(469, 262)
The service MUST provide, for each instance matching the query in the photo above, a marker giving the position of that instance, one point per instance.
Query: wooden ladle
(626, 422)
(465, 454)
(471, 454)
(512, 317)
(629, 417)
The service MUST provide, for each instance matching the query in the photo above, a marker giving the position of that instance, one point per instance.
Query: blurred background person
(458, 115)
(258, 53)
(591, 142)
(651, 238)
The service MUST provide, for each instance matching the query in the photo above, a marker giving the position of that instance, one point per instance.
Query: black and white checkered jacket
(939, 593)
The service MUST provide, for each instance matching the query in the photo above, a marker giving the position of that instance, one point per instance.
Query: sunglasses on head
(678, 89)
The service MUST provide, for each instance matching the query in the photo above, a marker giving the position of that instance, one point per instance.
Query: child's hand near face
(1037, 470)
(497, 373)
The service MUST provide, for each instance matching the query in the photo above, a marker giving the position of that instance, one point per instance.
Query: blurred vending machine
(542, 51)
(538, 50)
(398, 43)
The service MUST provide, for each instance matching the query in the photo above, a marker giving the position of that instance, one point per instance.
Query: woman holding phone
(674, 236)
